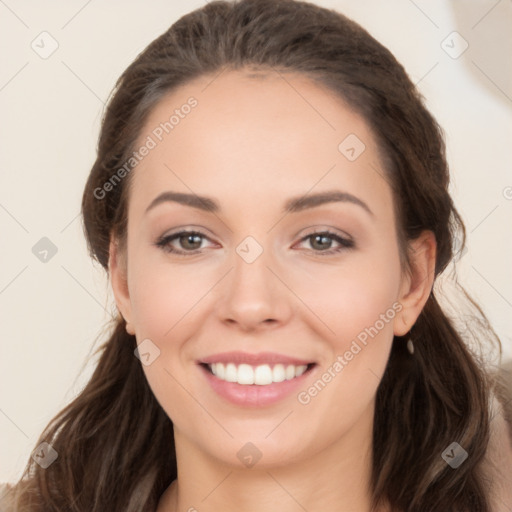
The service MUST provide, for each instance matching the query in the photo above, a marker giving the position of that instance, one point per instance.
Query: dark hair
(423, 403)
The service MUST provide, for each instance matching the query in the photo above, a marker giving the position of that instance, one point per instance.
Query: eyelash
(164, 242)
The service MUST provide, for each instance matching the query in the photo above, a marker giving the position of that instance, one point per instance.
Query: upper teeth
(261, 375)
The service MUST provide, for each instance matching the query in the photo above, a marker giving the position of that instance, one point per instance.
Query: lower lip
(254, 395)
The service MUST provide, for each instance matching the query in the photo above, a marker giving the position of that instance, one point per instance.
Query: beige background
(51, 313)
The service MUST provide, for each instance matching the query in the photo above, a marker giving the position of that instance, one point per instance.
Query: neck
(337, 479)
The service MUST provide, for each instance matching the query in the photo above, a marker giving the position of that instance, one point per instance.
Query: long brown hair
(114, 441)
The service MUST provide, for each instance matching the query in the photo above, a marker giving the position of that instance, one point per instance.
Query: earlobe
(401, 326)
(417, 285)
(118, 277)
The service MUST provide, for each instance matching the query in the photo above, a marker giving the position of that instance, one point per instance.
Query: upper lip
(253, 359)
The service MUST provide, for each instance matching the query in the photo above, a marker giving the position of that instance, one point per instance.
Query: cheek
(164, 301)
(164, 296)
(363, 303)
(354, 296)
(360, 308)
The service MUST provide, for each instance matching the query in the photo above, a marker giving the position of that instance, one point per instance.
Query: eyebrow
(292, 205)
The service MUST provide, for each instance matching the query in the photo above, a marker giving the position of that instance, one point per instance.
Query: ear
(417, 283)
(119, 278)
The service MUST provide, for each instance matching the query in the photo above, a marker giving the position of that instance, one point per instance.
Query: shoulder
(498, 458)
(4, 489)
(5, 497)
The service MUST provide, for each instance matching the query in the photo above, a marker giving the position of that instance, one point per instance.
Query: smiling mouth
(260, 375)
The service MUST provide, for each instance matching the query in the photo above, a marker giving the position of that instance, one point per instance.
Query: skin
(251, 144)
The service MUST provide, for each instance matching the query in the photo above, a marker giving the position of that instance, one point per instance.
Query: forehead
(258, 136)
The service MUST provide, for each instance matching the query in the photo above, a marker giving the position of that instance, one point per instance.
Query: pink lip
(253, 359)
(254, 395)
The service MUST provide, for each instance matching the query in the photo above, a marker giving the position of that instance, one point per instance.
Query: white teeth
(260, 375)
(231, 372)
(263, 375)
(278, 374)
(221, 371)
(299, 370)
(245, 374)
(290, 372)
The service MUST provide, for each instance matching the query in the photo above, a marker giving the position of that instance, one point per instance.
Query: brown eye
(321, 242)
(188, 242)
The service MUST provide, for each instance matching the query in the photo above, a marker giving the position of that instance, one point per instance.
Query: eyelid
(189, 229)
(322, 228)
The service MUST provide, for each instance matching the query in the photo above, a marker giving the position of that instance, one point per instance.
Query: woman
(270, 200)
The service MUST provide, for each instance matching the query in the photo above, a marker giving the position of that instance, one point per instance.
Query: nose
(254, 296)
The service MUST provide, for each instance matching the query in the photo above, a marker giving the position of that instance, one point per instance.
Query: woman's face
(259, 291)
